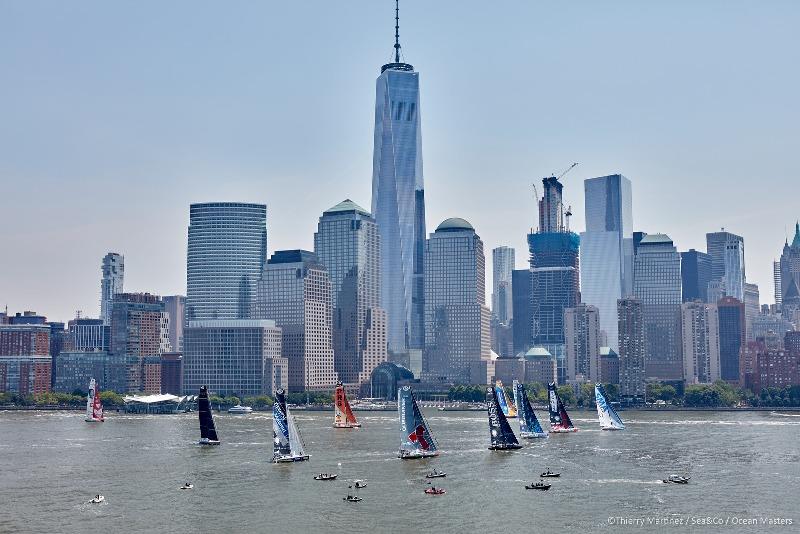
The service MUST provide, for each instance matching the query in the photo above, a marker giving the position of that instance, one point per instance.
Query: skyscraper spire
(397, 31)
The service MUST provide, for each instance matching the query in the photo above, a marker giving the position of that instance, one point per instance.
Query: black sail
(207, 429)
(500, 433)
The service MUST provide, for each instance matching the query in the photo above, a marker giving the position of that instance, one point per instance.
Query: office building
(75, 368)
(731, 336)
(582, 333)
(695, 275)
(657, 284)
(89, 335)
(609, 366)
(764, 324)
(606, 252)
(700, 327)
(522, 301)
(295, 292)
(113, 270)
(502, 284)
(457, 335)
(632, 350)
(727, 262)
(226, 254)
(752, 308)
(555, 277)
(398, 201)
(25, 361)
(175, 308)
(172, 373)
(241, 357)
(348, 244)
(139, 330)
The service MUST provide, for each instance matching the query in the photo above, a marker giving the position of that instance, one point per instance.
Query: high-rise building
(582, 334)
(657, 283)
(790, 276)
(632, 349)
(695, 275)
(609, 366)
(776, 280)
(113, 270)
(502, 284)
(139, 332)
(172, 373)
(175, 307)
(348, 244)
(226, 254)
(606, 253)
(752, 308)
(555, 277)
(456, 316)
(731, 336)
(234, 357)
(398, 200)
(295, 292)
(522, 326)
(25, 361)
(727, 262)
(700, 326)
(89, 335)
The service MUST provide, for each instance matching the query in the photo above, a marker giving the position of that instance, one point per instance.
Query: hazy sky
(115, 116)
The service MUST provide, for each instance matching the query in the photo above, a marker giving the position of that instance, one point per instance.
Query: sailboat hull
(346, 425)
(533, 435)
(505, 447)
(563, 430)
(208, 442)
(88, 420)
(611, 428)
(290, 459)
(416, 455)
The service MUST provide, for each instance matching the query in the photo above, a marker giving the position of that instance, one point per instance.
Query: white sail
(90, 400)
(609, 420)
(295, 439)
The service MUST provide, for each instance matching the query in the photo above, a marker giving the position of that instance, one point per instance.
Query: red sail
(97, 406)
(344, 414)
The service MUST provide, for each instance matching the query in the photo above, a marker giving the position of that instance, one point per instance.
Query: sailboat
(288, 445)
(94, 406)
(416, 440)
(343, 415)
(208, 434)
(500, 434)
(609, 419)
(559, 419)
(509, 410)
(529, 426)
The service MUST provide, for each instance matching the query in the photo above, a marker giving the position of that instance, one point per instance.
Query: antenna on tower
(397, 31)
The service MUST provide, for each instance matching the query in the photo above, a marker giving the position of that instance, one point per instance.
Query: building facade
(695, 275)
(25, 361)
(348, 244)
(731, 336)
(632, 350)
(522, 300)
(657, 284)
(175, 307)
(606, 252)
(503, 259)
(227, 250)
(74, 370)
(727, 262)
(295, 292)
(111, 283)
(700, 327)
(457, 320)
(582, 332)
(240, 357)
(398, 202)
(789, 276)
(89, 335)
(752, 308)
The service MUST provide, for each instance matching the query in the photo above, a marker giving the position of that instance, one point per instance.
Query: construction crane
(560, 176)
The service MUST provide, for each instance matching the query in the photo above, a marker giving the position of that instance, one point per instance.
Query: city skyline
(88, 157)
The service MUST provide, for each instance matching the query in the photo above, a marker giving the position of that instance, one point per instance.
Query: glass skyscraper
(398, 202)
(695, 275)
(727, 262)
(502, 286)
(347, 243)
(113, 270)
(607, 248)
(657, 283)
(226, 254)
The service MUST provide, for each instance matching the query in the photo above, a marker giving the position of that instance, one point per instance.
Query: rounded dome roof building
(454, 224)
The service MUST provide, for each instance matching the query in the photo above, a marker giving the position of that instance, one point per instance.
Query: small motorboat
(188, 485)
(325, 476)
(436, 474)
(676, 479)
(538, 486)
(97, 499)
(550, 474)
(360, 484)
(352, 498)
(435, 491)
(240, 410)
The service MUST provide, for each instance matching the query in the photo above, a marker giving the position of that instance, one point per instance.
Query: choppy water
(743, 465)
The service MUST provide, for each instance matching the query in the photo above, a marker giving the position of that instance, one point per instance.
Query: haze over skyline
(116, 118)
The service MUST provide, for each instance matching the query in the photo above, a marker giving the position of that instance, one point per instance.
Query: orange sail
(343, 415)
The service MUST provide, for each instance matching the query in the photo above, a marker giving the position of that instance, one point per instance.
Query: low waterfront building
(540, 366)
(25, 361)
(509, 369)
(159, 404)
(74, 370)
(386, 378)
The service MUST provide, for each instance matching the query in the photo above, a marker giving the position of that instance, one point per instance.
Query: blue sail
(529, 426)
(609, 419)
(416, 440)
(500, 434)
(509, 410)
(280, 427)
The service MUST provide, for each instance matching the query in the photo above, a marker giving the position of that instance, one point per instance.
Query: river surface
(743, 466)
